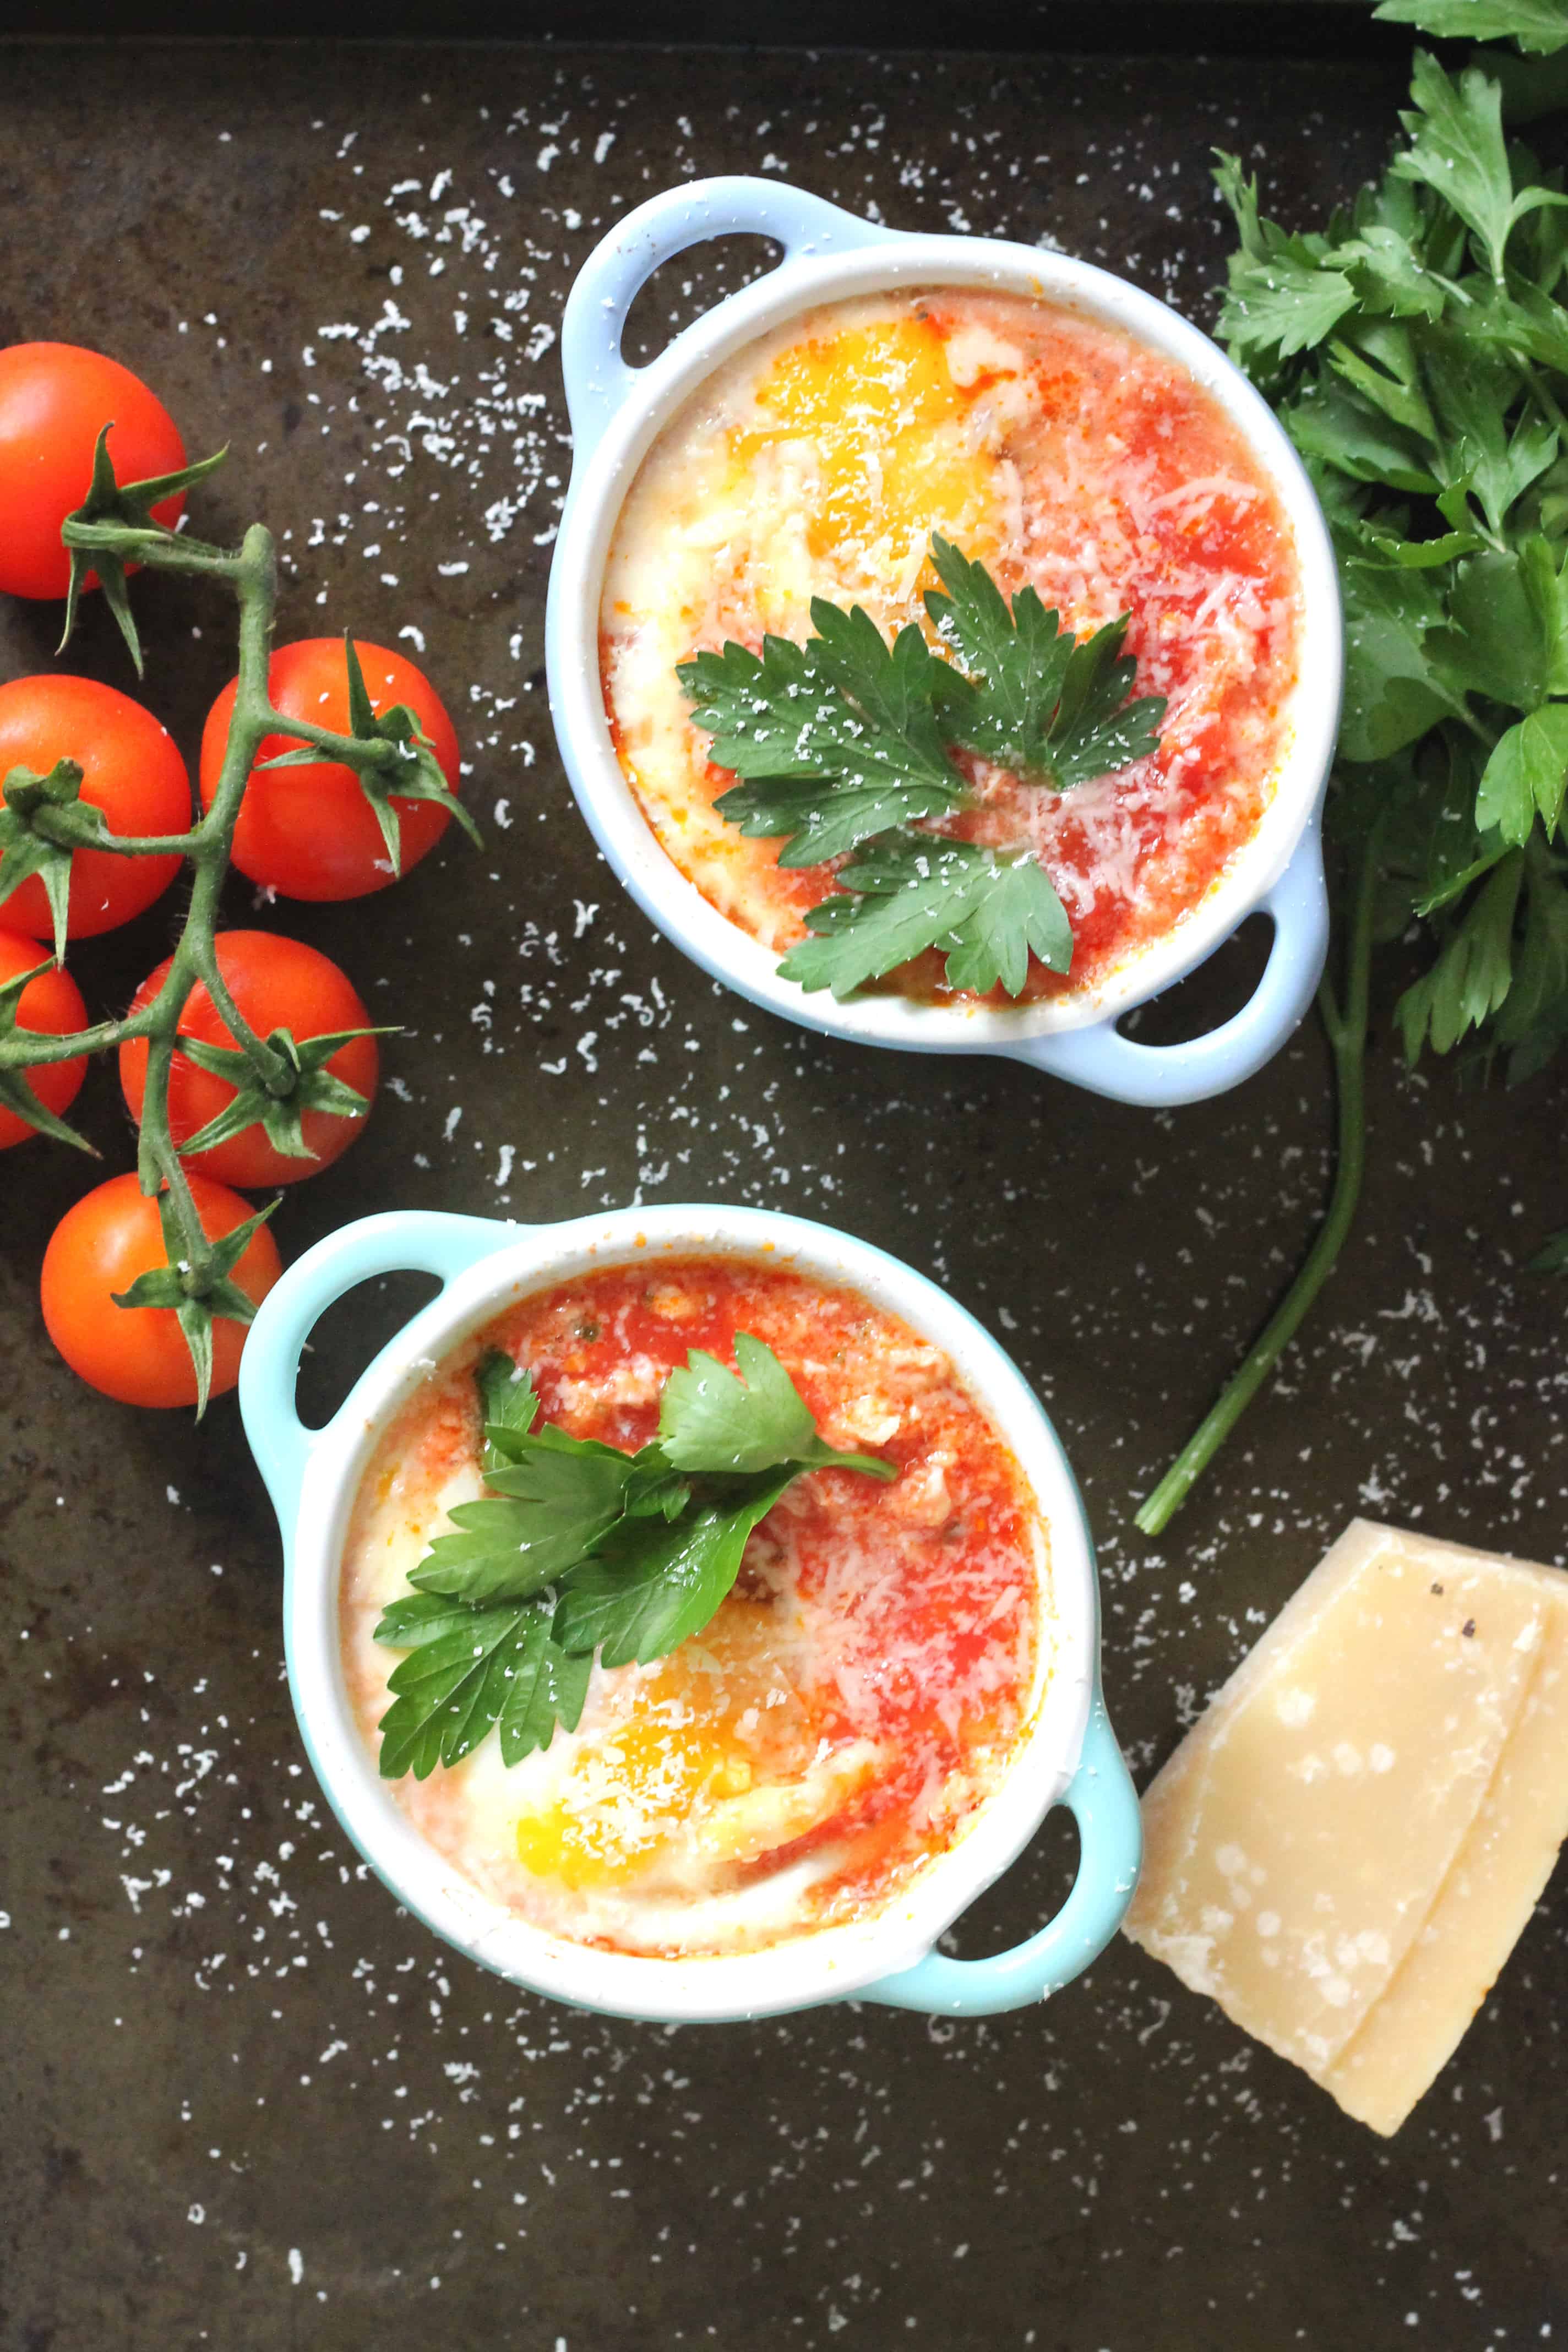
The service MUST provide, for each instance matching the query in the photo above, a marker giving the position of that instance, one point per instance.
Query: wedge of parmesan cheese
(1344, 1850)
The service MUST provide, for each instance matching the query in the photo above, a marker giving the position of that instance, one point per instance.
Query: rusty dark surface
(246, 2102)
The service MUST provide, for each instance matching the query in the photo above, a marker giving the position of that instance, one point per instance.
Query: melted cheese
(1343, 1851)
(818, 463)
(851, 1705)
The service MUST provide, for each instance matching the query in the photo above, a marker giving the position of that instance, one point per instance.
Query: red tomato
(54, 401)
(309, 832)
(50, 1006)
(276, 983)
(138, 1353)
(130, 770)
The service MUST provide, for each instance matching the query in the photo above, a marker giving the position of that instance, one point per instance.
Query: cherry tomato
(50, 1006)
(309, 832)
(138, 1353)
(132, 771)
(54, 401)
(277, 983)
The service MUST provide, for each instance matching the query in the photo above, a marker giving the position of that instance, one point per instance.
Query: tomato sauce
(1064, 456)
(857, 1697)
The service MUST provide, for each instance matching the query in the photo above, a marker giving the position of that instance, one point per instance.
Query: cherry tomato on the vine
(55, 400)
(138, 1353)
(130, 770)
(276, 983)
(310, 831)
(50, 1006)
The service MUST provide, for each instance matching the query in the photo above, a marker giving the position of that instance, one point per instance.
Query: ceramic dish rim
(830, 1963)
(891, 261)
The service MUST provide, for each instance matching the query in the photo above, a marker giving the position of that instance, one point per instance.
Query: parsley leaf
(851, 718)
(1474, 972)
(546, 1686)
(1284, 302)
(644, 1596)
(453, 1685)
(1552, 1256)
(988, 913)
(508, 1406)
(546, 1510)
(827, 823)
(1432, 415)
(1397, 684)
(1533, 1025)
(1541, 25)
(1525, 774)
(1017, 914)
(842, 709)
(1482, 455)
(843, 745)
(715, 1420)
(1330, 423)
(1457, 147)
(580, 1547)
(1388, 275)
(1049, 706)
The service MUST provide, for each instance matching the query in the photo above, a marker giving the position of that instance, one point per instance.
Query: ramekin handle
(1162, 1076)
(597, 378)
(1104, 1803)
(423, 1241)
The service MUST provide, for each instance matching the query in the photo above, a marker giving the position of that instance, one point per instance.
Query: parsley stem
(1346, 1030)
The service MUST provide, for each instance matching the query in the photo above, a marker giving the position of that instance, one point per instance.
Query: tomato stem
(250, 571)
(274, 1069)
(45, 822)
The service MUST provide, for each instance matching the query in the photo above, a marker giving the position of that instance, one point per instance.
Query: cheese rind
(1343, 1851)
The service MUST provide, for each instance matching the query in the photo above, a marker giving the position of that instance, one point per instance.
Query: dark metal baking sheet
(247, 2102)
(1336, 29)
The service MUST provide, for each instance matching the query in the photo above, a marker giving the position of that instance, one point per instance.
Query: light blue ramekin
(1067, 1755)
(619, 411)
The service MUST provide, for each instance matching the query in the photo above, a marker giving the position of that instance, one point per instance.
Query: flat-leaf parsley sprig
(578, 1549)
(844, 741)
(1416, 350)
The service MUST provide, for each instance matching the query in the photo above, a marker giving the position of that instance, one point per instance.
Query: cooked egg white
(811, 468)
(639, 1828)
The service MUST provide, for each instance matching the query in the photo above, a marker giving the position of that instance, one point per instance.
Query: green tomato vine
(43, 821)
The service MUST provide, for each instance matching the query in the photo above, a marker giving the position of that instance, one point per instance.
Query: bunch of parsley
(578, 1549)
(842, 745)
(1416, 352)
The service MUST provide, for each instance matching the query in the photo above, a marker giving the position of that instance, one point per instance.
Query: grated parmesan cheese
(817, 463)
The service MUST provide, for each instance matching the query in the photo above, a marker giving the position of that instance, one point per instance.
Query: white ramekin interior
(816, 1967)
(599, 486)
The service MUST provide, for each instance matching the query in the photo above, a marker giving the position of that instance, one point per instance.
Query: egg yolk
(627, 1796)
(889, 426)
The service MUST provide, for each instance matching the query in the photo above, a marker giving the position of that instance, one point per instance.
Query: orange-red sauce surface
(855, 1700)
(1061, 453)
